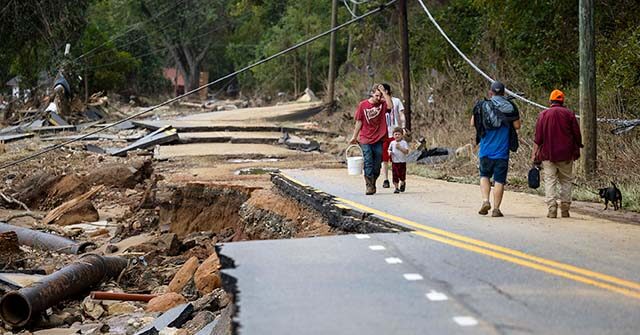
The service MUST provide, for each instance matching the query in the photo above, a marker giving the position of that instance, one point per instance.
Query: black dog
(612, 194)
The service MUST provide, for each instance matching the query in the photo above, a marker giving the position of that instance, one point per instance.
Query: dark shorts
(399, 172)
(385, 149)
(496, 168)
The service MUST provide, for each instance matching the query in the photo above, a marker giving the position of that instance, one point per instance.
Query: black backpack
(493, 118)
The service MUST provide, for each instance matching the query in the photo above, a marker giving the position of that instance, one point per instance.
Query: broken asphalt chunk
(57, 120)
(163, 135)
(94, 114)
(174, 317)
(14, 137)
(95, 149)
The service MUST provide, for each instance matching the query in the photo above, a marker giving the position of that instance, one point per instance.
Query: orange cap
(556, 95)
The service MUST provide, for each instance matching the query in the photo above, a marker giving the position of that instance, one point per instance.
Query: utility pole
(588, 114)
(332, 55)
(404, 46)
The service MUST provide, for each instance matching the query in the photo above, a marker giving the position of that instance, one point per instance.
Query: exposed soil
(201, 207)
(157, 214)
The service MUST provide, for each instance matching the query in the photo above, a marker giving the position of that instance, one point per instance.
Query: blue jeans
(372, 155)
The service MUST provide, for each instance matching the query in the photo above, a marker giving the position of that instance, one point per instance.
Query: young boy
(398, 150)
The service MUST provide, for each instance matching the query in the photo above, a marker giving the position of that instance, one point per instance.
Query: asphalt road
(457, 273)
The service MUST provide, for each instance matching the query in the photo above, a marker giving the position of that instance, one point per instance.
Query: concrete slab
(52, 129)
(56, 331)
(14, 137)
(230, 136)
(110, 137)
(223, 149)
(278, 112)
(208, 125)
(163, 135)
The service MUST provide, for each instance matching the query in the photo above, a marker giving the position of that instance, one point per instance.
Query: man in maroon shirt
(370, 131)
(557, 145)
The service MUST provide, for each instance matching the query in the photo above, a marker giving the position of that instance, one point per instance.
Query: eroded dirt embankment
(235, 212)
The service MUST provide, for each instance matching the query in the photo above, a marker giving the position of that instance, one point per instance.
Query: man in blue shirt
(494, 148)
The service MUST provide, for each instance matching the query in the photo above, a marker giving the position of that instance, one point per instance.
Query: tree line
(123, 45)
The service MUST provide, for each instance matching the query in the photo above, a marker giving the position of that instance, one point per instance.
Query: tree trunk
(332, 55)
(295, 76)
(588, 115)
(308, 67)
(307, 57)
(406, 73)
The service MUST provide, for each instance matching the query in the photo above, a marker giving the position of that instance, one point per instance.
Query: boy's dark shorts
(496, 168)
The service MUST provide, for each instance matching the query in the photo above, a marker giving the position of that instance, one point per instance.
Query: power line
(163, 28)
(155, 51)
(158, 50)
(129, 29)
(7, 6)
(352, 12)
(435, 23)
(623, 125)
(248, 67)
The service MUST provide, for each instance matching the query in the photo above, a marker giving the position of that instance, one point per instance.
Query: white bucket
(354, 163)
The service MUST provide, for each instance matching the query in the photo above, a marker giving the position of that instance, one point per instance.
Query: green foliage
(275, 26)
(254, 17)
(534, 43)
(34, 34)
(429, 50)
(108, 68)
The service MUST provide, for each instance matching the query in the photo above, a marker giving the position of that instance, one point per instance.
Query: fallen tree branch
(20, 215)
(11, 200)
(57, 212)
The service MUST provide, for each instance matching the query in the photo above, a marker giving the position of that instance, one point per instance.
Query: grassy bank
(444, 122)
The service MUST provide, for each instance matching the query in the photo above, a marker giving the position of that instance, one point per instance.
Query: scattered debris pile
(173, 283)
(95, 239)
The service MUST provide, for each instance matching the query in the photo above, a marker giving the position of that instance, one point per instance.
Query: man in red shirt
(557, 145)
(370, 130)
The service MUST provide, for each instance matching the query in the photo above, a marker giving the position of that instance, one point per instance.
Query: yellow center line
(516, 253)
(532, 265)
(510, 255)
(453, 236)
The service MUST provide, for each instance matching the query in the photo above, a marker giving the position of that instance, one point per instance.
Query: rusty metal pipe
(101, 295)
(41, 240)
(18, 307)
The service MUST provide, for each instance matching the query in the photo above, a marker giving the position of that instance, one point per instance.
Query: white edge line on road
(412, 276)
(393, 260)
(362, 236)
(436, 296)
(377, 247)
(465, 321)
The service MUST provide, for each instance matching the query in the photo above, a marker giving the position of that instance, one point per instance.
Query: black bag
(514, 143)
(533, 178)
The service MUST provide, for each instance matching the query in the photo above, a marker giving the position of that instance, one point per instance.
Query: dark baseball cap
(497, 87)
